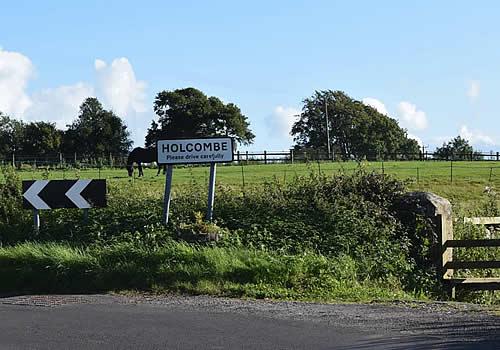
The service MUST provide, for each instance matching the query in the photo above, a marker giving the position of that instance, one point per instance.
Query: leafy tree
(356, 130)
(97, 132)
(457, 149)
(11, 135)
(190, 113)
(41, 138)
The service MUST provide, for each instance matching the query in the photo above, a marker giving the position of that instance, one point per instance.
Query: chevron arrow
(31, 195)
(74, 194)
(58, 194)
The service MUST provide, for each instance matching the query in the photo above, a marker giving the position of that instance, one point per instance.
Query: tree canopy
(96, 132)
(41, 138)
(11, 135)
(457, 149)
(356, 130)
(190, 113)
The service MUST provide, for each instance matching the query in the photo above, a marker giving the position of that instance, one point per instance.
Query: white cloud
(476, 137)
(281, 121)
(15, 72)
(377, 104)
(474, 89)
(99, 64)
(411, 117)
(120, 88)
(117, 88)
(59, 105)
(416, 138)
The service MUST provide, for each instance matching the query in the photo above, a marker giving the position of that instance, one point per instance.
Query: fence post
(451, 171)
(291, 156)
(491, 173)
(243, 179)
(60, 160)
(238, 156)
(13, 159)
(246, 157)
(498, 156)
(75, 158)
(265, 157)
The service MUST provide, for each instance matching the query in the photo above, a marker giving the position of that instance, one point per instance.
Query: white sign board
(185, 151)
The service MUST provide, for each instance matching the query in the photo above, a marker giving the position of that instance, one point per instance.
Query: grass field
(458, 181)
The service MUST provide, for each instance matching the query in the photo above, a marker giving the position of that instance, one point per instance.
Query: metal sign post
(211, 191)
(36, 221)
(168, 191)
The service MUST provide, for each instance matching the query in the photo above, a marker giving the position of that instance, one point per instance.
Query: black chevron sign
(55, 194)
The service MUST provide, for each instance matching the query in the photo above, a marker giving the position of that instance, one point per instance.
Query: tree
(41, 138)
(11, 135)
(356, 130)
(97, 132)
(190, 113)
(456, 149)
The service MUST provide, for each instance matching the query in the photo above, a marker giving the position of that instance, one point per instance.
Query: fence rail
(265, 157)
(492, 283)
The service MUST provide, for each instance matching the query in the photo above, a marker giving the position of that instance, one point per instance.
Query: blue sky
(433, 65)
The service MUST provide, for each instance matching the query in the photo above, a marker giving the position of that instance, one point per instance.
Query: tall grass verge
(179, 267)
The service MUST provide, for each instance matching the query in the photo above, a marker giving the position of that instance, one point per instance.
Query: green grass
(458, 181)
(122, 246)
(179, 267)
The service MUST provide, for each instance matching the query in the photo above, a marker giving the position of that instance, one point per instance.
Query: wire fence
(244, 173)
(74, 160)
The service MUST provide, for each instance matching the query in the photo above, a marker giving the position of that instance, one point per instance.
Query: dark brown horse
(141, 155)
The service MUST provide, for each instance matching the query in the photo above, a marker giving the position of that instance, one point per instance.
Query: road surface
(201, 322)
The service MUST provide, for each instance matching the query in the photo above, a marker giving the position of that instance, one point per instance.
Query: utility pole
(423, 151)
(327, 130)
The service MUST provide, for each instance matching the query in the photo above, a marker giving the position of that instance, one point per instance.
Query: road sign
(55, 194)
(186, 151)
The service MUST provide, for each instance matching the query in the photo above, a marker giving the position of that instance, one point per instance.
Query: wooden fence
(243, 157)
(449, 265)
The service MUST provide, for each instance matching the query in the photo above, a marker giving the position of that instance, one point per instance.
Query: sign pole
(211, 191)
(167, 196)
(36, 220)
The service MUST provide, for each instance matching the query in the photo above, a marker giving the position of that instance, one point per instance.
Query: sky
(432, 65)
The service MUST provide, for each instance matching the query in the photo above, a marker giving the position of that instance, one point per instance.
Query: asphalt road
(153, 322)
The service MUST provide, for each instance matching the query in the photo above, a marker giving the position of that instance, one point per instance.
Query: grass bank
(179, 267)
(314, 237)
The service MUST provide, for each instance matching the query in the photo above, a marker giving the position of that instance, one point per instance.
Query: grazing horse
(141, 155)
